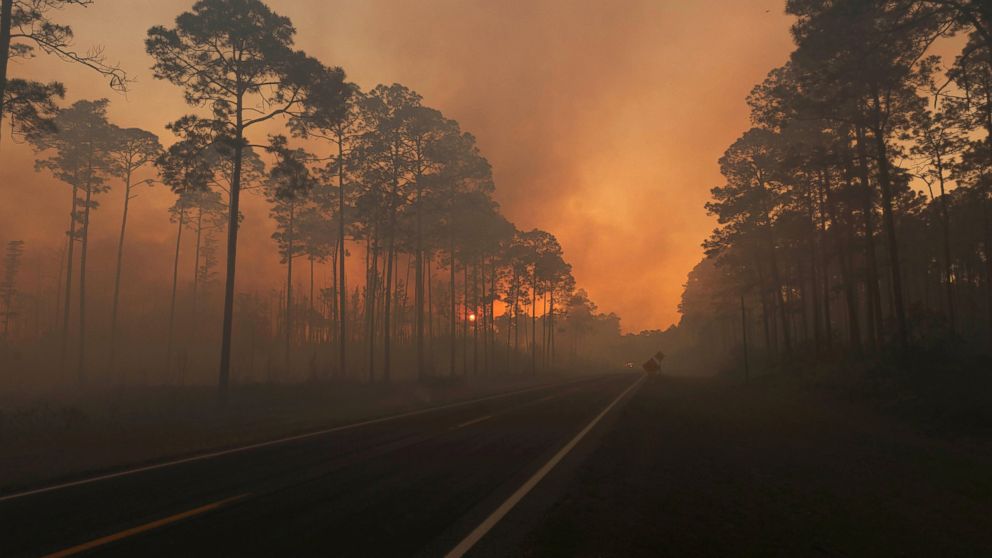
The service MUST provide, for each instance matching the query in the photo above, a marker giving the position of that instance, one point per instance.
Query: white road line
(476, 535)
(279, 441)
(473, 421)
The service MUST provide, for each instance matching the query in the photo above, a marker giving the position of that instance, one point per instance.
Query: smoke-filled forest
(518, 278)
(855, 220)
(396, 260)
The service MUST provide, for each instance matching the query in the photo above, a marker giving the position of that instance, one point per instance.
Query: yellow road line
(143, 528)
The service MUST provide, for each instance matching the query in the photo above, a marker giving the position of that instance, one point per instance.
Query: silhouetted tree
(210, 210)
(8, 287)
(463, 170)
(875, 53)
(972, 111)
(178, 213)
(26, 26)
(80, 158)
(188, 168)
(388, 164)
(937, 143)
(426, 131)
(236, 56)
(132, 149)
(288, 188)
(337, 119)
(833, 130)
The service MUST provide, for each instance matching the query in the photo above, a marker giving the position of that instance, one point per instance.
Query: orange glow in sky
(603, 120)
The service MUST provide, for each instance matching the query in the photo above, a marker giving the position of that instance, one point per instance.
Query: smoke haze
(603, 122)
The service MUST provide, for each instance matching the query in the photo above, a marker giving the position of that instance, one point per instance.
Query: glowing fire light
(471, 317)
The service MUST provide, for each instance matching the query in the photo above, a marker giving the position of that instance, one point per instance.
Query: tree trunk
(290, 249)
(66, 308)
(232, 252)
(987, 203)
(6, 17)
(779, 296)
(533, 323)
(873, 302)
(175, 283)
(370, 303)
(551, 326)
(492, 306)
(196, 271)
(516, 333)
(988, 260)
(509, 336)
(888, 216)
(486, 318)
(776, 278)
(58, 287)
(813, 252)
(84, 249)
(310, 336)
(945, 222)
(465, 318)
(508, 314)
(419, 279)
(545, 332)
(333, 302)
(841, 243)
(747, 365)
(451, 251)
(430, 311)
(825, 260)
(765, 322)
(801, 331)
(475, 322)
(404, 312)
(342, 288)
(387, 307)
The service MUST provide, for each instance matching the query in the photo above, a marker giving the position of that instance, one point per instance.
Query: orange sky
(603, 120)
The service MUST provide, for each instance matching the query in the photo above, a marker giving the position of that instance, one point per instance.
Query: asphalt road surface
(425, 483)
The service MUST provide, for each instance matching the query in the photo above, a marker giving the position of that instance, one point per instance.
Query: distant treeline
(450, 286)
(856, 216)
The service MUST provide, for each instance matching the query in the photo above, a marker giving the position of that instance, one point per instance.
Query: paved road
(412, 485)
(706, 467)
